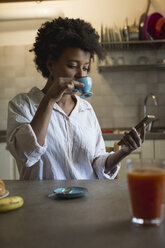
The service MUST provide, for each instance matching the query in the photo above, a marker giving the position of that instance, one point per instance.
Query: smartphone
(148, 119)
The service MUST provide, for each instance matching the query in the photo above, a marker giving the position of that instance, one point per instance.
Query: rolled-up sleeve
(99, 167)
(23, 145)
(21, 139)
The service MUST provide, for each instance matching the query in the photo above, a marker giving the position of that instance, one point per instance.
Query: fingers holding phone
(141, 128)
(143, 132)
(61, 86)
(134, 136)
(131, 141)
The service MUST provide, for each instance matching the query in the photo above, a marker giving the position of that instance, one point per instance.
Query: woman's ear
(50, 65)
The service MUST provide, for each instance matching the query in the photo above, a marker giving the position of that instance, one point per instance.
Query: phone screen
(146, 120)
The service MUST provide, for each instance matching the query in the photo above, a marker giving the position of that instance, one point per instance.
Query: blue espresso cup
(85, 91)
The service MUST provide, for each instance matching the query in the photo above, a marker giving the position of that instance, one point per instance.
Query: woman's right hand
(61, 86)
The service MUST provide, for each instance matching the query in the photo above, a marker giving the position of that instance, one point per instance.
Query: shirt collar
(82, 104)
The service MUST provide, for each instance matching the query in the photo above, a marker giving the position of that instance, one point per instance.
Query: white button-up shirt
(74, 147)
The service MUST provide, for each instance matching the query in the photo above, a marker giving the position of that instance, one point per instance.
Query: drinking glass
(146, 184)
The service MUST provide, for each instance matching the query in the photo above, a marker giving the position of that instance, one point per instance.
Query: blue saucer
(70, 192)
(86, 94)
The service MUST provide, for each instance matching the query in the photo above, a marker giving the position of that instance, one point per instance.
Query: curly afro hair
(55, 35)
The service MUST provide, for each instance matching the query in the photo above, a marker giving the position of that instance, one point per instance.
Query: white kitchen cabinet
(159, 149)
(148, 149)
(8, 169)
(153, 149)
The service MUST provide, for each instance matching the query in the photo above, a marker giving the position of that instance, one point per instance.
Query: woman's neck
(67, 102)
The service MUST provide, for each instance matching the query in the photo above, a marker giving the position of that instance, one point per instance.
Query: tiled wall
(118, 96)
(17, 74)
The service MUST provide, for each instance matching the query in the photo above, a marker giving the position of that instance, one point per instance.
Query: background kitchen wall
(118, 96)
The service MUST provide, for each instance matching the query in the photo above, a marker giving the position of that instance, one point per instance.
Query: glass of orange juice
(146, 184)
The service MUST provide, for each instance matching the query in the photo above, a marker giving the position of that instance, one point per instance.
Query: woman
(52, 133)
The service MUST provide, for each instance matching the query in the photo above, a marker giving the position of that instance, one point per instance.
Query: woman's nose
(80, 73)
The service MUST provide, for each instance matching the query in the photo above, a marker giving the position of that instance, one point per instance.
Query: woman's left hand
(133, 140)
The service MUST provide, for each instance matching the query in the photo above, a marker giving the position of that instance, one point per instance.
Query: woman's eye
(76, 67)
(72, 66)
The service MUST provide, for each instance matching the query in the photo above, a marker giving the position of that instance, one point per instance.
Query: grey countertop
(101, 219)
(149, 136)
(2, 136)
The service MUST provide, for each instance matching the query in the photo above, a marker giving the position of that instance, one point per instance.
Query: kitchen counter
(97, 220)
(149, 136)
(2, 136)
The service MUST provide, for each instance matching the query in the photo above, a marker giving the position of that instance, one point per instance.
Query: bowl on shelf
(150, 24)
(159, 30)
(142, 60)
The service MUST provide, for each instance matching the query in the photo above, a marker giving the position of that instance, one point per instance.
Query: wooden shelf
(133, 67)
(140, 44)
